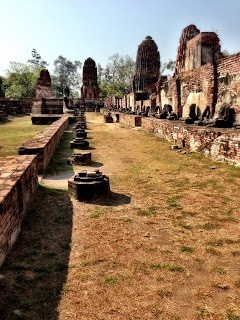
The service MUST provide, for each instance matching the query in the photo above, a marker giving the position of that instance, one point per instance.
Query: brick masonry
(219, 144)
(44, 144)
(19, 181)
(18, 185)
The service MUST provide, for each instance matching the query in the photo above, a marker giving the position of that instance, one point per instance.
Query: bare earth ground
(166, 245)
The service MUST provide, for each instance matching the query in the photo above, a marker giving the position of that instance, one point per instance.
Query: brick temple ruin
(198, 107)
(89, 89)
(204, 85)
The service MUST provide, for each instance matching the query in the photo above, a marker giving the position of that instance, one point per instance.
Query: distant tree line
(115, 79)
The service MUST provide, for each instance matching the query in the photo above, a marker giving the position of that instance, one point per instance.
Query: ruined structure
(44, 103)
(194, 83)
(89, 89)
(146, 73)
(43, 89)
(87, 185)
(204, 88)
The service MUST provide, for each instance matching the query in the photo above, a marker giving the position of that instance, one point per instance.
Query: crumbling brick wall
(45, 143)
(219, 144)
(19, 181)
(18, 185)
(228, 72)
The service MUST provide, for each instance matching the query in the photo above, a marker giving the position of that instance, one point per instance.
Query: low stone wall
(131, 120)
(45, 143)
(220, 144)
(18, 185)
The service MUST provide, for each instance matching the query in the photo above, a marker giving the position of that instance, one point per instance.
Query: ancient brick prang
(147, 68)
(188, 33)
(196, 49)
(90, 89)
(43, 89)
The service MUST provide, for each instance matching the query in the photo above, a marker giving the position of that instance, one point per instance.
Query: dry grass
(164, 246)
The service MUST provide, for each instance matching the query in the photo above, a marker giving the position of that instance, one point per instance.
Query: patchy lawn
(15, 132)
(166, 245)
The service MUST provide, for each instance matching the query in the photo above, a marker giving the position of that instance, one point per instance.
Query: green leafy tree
(2, 91)
(36, 60)
(66, 73)
(117, 76)
(20, 80)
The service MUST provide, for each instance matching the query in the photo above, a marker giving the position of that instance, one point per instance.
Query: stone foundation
(45, 119)
(18, 185)
(45, 143)
(87, 185)
(219, 144)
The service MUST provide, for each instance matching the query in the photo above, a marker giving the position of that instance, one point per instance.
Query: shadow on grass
(114, 199)
(36, 270)
(96, 164)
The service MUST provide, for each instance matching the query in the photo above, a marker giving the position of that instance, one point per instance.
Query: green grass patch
(156, 266)
(96, 214)
(176, 268)
(171, 201)
(110, 280)
(58, 162)
(219, 270)
(14, 133)
(150, 211)
(187, 249)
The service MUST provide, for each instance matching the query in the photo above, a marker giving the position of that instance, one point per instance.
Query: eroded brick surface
(18, 185)
(44, 144)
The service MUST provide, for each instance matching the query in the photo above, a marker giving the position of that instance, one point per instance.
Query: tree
(226, 53)
(37, 60)
(66, 73)
(117, 76)
(21, 80)
(2, 91)
(99, 72)
(170, 65)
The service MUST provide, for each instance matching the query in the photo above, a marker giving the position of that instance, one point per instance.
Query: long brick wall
(19, 181)
(45, 143)
(219, 144)
(18, 185)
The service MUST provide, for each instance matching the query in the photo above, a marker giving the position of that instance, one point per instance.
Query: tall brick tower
(147, 67)
(89, 89)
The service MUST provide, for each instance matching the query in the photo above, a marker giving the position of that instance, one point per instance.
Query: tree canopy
(37, 60)
(20, 80)
(117, 76)
(66, 73)
(115, 79)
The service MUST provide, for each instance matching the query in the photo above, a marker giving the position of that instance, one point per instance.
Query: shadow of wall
(35, 272)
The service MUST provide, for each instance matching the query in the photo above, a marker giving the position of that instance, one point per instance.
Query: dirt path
(164, 246)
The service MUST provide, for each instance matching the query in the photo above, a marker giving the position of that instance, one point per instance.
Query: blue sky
(78, 29)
